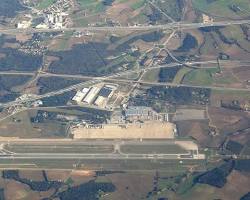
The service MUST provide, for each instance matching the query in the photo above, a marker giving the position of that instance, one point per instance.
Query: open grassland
(153, 149)
(220, 95)
(235, 188)
(151, 75)
(45, 4)
(103, 164)
(138, 4)
(23, 148)
(91, 5)
(222, 7)
(200, 76)
(20, 125)
(181, 74)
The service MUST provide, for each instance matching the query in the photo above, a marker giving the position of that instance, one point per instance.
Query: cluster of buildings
(207, 19)
(25, 22)
(54, 16)
(141, 113)
(97, 95)
(55, 20)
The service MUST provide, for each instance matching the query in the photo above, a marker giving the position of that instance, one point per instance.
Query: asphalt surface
(113, 78)
(7, 147)
(174, 25)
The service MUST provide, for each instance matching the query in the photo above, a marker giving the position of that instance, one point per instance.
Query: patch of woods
(168, 74)
(87, 191)
(34, 185)
(217, 177)
(7, 82)
(8, 9)
(19, 61)
(90, 190)
(49, 84)
(99, 59)
(157, 95)
(87, 114)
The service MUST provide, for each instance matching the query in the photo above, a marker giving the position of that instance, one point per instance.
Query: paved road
(100, 79)
(174, 25)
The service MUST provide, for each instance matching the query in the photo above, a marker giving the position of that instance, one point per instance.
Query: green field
(138, 4)
(152, 149)
(200, 76)
(151, 75)
(103, 164)
(222, 7)
(45, 4)
(232, 93)
(88, 149)
(92, 6)
(180, 74)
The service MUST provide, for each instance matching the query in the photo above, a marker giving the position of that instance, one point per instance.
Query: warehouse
(101, 101)
(80, 95)
(91, 95)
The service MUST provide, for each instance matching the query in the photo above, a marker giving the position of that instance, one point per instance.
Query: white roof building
(91, 95)
(80, 95)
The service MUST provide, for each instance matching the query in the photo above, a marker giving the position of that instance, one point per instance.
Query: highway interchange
(8, 156)
(113, 77)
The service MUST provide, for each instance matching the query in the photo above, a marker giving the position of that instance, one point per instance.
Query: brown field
(2, 55)
(122, 11)
(18, 191)
(237, 185)
(242, 73)
(78, 176)
(32, 175)
(11, 45)
(23, 37)
(130, 186)
(228, 121)
(217, 96)
(147, 130)
(198, 130)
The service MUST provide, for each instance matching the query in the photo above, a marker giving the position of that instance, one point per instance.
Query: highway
(114, 78)
(173, 25)
(48, 74)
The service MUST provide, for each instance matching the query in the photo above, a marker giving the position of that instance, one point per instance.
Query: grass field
(180, 74)
(152, 149)
(104, 164)
(222, 7)
(20, 148)
(91, 6)
(233, 93)
(151, 75)
(45, 4)
(138, 4)
(200, 76)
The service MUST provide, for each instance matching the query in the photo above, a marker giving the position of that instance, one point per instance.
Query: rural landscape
(124, 99)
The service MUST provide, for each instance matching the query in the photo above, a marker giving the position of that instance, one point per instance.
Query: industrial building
(89, 98)
(106, 91)
(104, 94)
(101, 101)
(134, 113)
(80, 95)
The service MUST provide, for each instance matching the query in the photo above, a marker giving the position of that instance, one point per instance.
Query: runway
(106, 149)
